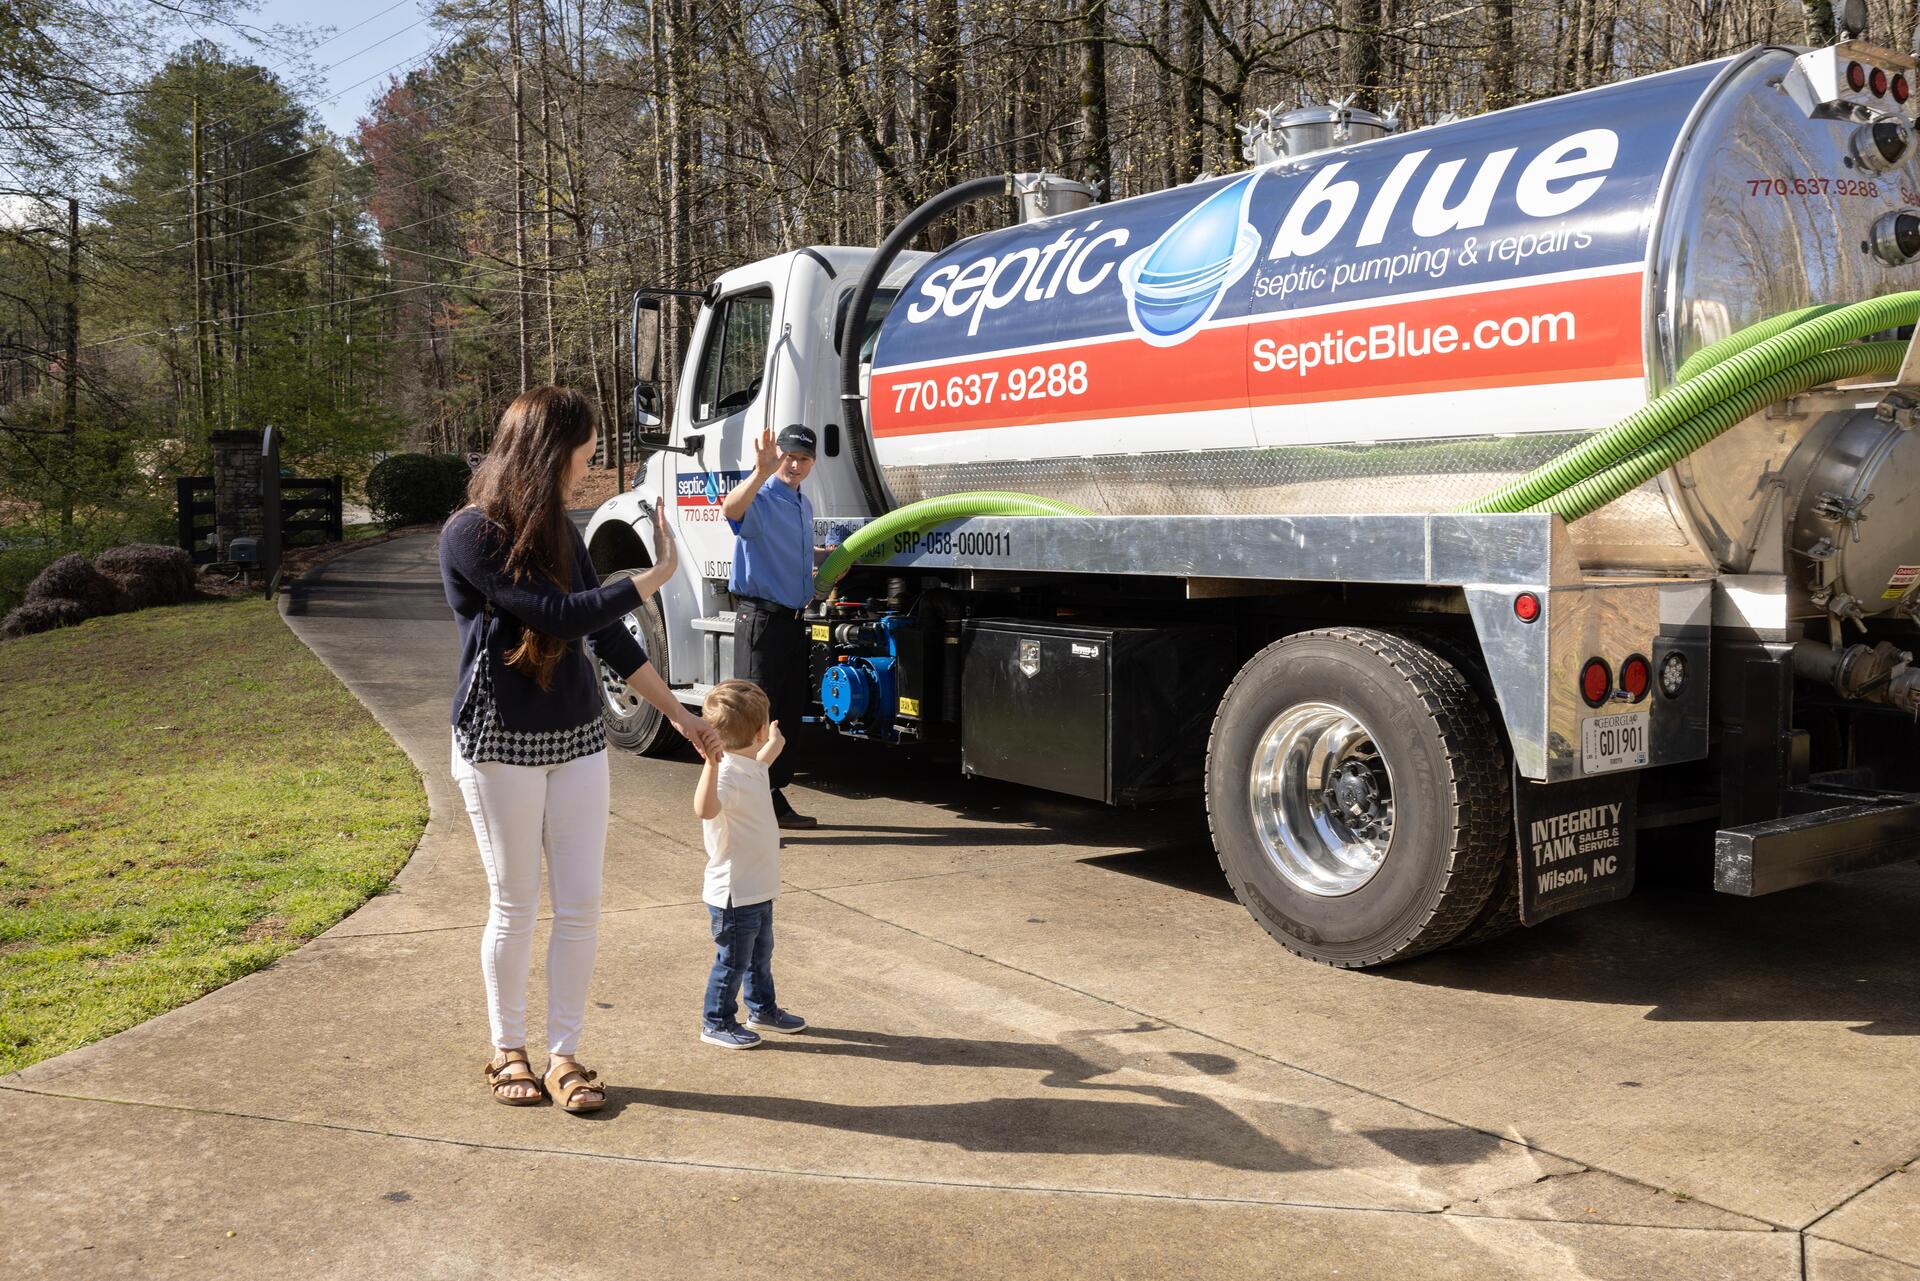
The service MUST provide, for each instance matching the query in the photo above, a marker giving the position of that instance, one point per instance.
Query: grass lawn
(189, 794)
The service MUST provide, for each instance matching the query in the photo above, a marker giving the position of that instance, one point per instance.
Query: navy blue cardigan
(473, 553)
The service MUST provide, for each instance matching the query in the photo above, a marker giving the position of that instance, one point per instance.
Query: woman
(530, 751)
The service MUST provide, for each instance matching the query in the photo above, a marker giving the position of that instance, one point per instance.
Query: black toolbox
(1115, 714)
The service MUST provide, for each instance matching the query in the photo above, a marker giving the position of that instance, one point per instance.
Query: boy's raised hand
(766, 454)
(775, 744)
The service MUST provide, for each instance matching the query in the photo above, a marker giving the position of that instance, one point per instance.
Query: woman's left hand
(702, 735)
(666, 548)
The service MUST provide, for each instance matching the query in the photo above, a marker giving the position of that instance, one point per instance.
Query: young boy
(735, 803)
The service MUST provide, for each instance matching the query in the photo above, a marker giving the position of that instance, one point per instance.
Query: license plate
(1613, 742)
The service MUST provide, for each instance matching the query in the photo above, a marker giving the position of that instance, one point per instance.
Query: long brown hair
(518, 488)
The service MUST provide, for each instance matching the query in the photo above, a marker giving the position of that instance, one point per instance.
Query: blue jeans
(744, 939)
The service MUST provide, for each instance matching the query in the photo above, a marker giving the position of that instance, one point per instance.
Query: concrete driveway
(1046, 1043)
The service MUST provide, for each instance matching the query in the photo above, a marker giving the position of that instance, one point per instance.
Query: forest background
(185, 248)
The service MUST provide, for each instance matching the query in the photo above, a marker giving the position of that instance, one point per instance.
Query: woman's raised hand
(666, 548)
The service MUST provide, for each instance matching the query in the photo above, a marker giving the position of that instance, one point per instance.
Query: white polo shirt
(743, 843)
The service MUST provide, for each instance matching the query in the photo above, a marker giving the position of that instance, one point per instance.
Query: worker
(772, 582)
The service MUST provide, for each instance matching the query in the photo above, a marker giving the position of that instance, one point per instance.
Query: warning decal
(1902, 581)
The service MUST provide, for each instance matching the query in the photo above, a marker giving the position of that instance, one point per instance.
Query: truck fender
(620, 536)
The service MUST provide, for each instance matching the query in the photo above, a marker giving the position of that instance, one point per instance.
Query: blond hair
(736, 710)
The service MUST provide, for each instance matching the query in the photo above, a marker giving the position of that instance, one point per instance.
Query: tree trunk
(1096, 147)
(1360, 52)
(519, 194)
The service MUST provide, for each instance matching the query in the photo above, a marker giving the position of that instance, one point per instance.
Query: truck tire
(1358, 796)
(634, 724)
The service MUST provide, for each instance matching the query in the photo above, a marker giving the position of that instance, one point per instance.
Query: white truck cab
(763, 353)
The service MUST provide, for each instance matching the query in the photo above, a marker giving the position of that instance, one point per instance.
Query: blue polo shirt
(773, 554)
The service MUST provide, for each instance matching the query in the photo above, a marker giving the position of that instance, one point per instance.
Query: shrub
(149, 573)
(73, 579)
(43, 615)
(416, 489)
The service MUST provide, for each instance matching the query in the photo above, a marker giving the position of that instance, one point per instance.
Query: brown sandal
(510, 1067)
(567, 1080)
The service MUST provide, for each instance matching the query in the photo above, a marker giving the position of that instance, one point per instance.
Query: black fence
(310, 504)
(196, 517)
(304, 505)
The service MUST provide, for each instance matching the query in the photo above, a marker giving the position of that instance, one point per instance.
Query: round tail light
(1596, 682)
(1856, 77)
(1526, 607)
(1673, 674)
(1900, 89)
(1636, 677)
(1877, 82)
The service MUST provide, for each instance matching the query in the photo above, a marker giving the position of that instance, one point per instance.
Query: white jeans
(517, 809)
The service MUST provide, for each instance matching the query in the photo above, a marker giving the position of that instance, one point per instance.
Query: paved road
(1047, 1043)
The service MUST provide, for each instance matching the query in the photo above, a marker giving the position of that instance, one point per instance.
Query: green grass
(189, 795)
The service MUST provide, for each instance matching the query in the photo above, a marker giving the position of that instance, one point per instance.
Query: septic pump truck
(1450, 506)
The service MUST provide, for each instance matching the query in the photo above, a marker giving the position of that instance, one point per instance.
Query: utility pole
(199, 281)
(519, 193)
(68, 412)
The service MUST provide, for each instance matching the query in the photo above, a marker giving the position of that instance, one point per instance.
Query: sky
(355, 46)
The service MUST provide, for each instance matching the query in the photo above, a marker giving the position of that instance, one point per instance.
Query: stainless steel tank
(1406, 323)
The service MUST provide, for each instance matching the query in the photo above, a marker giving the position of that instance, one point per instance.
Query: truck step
(1835, 831)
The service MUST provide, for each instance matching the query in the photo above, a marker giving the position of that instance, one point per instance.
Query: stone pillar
(237, 509)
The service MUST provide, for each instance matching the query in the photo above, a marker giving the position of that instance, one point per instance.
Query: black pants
(776, 661)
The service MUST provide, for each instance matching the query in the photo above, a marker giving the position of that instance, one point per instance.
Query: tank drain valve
(1895, 239)
(1882, 673)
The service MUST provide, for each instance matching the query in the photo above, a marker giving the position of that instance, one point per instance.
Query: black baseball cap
(796, 439)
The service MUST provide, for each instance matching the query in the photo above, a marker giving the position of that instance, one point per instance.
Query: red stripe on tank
(1566, 331)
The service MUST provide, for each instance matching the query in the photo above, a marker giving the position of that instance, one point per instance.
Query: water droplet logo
(1175, 284)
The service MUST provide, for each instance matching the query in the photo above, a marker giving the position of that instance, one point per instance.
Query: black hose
(856, 323)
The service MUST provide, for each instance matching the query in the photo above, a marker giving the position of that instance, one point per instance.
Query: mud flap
(1575, 843)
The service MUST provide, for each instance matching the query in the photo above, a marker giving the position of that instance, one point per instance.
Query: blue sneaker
(778, 1021)
(730, 1037)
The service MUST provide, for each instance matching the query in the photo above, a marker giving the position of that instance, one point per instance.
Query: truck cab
(761, 355)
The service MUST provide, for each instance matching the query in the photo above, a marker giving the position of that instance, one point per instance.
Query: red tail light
(1856, 77)
(1526, 607)
(1900, 90)
(1636, 677)
(1877, 82)
(1596, 682)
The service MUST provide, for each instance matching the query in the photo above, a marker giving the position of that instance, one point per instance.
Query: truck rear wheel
(1358, 796)
(634, 724)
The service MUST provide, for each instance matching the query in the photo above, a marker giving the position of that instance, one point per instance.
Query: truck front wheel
(1358, 796)
(633, 723)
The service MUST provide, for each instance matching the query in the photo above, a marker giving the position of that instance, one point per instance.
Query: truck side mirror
(648, 418)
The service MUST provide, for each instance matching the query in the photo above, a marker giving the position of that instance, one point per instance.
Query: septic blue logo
(1175, 284)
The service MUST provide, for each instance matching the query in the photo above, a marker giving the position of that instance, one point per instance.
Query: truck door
(722, 407)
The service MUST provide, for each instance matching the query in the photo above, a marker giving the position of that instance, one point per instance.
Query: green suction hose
(925, 514)
(1650, 460)
(1741, 339)
(1685, 401)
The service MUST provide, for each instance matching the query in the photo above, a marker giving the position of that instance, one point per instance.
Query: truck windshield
(882, 304)
(736, 355)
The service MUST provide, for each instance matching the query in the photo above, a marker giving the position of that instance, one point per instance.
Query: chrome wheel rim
(1322, 799)
(622, 703)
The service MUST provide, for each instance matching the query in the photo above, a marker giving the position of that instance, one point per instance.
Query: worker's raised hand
(766, 455)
